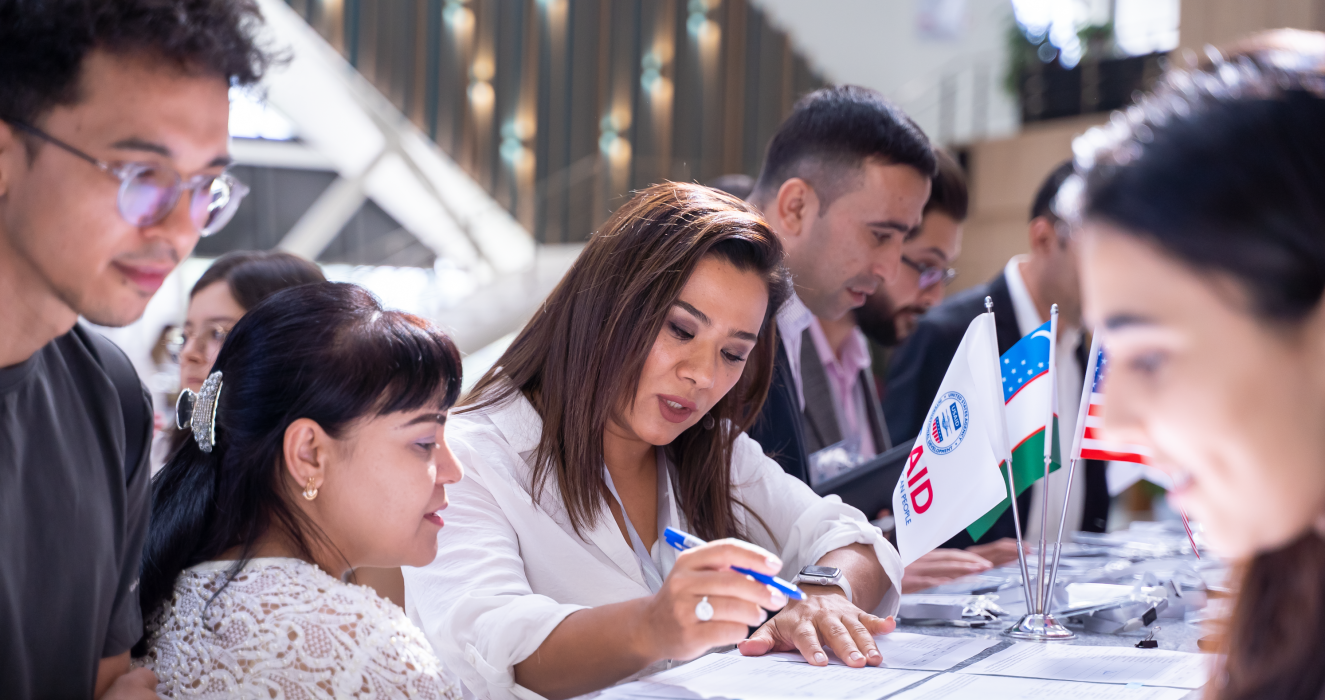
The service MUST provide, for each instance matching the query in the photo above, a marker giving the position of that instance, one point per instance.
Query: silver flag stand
(1038, 624)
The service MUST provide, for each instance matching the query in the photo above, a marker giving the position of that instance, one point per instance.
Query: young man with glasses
(113, 150)
(1023, 294)
(891, 314)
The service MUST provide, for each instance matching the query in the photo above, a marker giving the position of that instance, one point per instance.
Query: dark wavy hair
(579, 360)
(326, 351)
(43, 44)
(1224, 170)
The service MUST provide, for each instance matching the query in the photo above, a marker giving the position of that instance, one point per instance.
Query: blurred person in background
(114, 144)
(232, 285)
(1203, 237)
(1022, 295)
(891, 314)
(235, 283)
(317, 447)
(618, 411)
(843, 185)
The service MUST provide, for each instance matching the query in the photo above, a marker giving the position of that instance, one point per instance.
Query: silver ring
(704, 609)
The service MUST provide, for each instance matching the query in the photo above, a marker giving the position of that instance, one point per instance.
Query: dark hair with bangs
(326, 351)
(579, 360)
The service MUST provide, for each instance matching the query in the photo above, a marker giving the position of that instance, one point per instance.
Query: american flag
(1090, 443)
(1093, 444)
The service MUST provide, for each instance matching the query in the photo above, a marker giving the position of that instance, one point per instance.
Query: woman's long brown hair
(1274, 638)
(579, 360)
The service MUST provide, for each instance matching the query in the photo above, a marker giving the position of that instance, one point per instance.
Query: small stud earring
(309, 492)
(708, 422)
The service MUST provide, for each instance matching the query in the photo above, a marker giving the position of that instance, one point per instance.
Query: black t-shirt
(72, 520)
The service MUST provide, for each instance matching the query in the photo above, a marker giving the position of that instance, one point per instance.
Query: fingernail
(855, 656)
(763, 616)
(776, 597)
(773, 563)
(820, 658)
(874, 654)
(888, 619)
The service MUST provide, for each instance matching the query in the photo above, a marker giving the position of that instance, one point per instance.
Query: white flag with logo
(952, 475)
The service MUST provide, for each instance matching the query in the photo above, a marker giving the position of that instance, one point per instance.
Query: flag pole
(1188, 527)
(1038, 624)
(1012, 496)
(1042, 603)
(1078, 433)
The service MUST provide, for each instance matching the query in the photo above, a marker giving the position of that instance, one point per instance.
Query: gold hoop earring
(309, 492)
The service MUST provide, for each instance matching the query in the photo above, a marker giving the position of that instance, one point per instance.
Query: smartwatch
(824, 576)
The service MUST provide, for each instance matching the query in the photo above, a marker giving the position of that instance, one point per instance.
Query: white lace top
(285, 629)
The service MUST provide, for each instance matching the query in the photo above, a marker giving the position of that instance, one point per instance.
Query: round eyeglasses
(149, 192)
(929, 275)
(209, 341)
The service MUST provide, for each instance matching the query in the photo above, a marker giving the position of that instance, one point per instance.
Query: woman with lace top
(316, 448)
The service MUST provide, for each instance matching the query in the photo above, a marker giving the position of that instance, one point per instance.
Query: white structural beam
(278, 154)
(340, 115)
(318, 226)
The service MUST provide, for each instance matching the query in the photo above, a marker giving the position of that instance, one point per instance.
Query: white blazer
(508, 571)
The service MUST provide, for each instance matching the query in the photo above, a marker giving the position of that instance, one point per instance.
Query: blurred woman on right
(1202, 218)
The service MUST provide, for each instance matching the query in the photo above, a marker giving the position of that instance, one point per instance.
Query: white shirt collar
(1023, 305)
(793, 319)
(518, 422)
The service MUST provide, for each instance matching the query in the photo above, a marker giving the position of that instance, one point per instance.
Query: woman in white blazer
(619, 411)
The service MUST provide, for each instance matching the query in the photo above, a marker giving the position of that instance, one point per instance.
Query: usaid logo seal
(947, 423)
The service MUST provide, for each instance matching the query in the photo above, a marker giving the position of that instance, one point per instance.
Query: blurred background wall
(452, 155)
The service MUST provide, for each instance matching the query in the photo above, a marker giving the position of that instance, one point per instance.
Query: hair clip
(197, 411)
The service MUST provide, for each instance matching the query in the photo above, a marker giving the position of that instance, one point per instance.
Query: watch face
(821, 571)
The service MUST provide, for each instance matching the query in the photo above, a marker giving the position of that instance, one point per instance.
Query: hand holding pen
(704, 603)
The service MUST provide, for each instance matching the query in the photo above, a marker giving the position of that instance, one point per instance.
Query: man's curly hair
(43, 44)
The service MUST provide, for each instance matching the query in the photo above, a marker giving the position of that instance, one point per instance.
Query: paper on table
(916, 652)
(1004, 688)
(1098, 664)
(753, 678)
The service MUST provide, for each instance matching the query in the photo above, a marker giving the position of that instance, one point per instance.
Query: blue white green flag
(1027, 394)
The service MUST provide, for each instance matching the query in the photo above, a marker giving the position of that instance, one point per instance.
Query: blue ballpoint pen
(683, 541)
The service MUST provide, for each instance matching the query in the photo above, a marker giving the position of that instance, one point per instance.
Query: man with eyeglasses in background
(1022, 294)
(892, 314)
(113, 154)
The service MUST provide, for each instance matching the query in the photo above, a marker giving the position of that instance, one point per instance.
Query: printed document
(916, 652)
(756, 678)
(1095, 664)
(956, 685)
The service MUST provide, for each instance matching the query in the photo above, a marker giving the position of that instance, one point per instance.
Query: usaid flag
(1028, 396)
(952, 475)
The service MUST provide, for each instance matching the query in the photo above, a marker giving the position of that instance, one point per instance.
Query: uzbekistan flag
(1027, 394)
